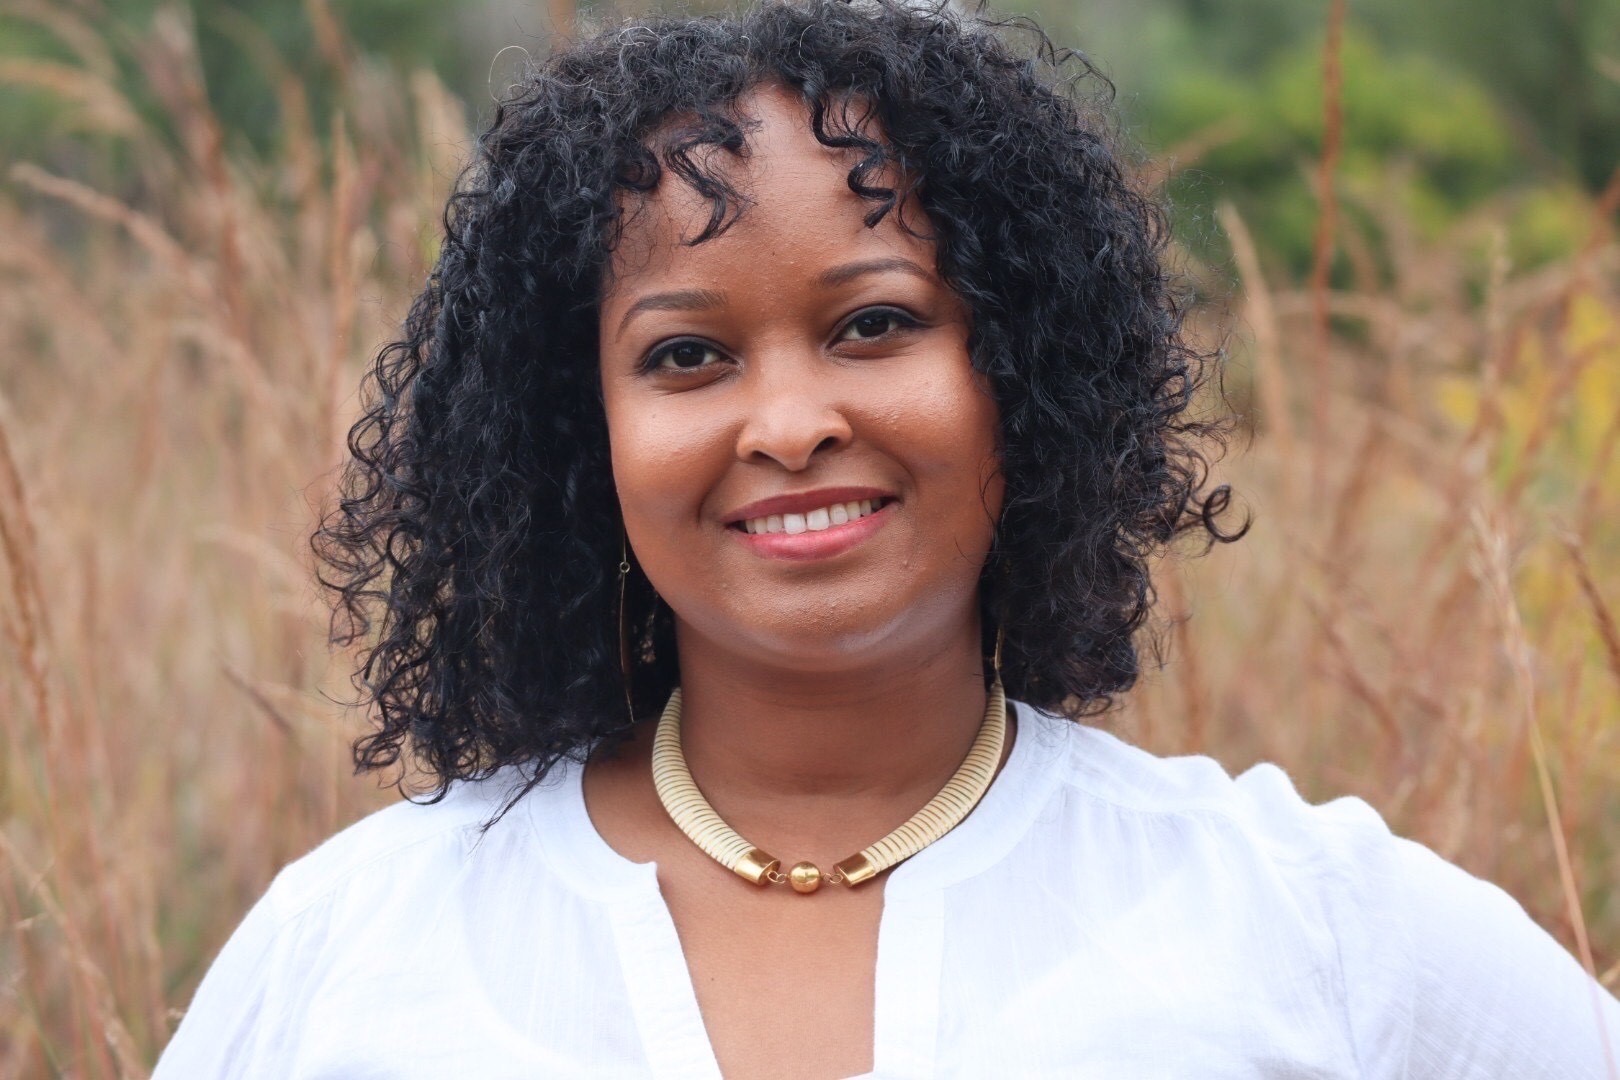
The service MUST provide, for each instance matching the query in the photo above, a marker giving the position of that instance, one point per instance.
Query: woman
(819, 362)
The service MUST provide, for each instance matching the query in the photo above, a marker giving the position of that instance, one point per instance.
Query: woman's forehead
(794, 200)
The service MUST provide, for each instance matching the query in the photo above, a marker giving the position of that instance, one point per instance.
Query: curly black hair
(474, 550)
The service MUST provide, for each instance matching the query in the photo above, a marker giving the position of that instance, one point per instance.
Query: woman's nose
(791, 414)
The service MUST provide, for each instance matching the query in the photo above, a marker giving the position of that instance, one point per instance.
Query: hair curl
(475, 544)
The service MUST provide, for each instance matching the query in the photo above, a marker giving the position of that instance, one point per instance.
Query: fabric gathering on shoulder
(1102, 913)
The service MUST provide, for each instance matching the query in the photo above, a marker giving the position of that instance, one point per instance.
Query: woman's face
(805, 459)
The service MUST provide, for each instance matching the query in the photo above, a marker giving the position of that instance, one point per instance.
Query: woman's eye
(874, 324)
(683, 356)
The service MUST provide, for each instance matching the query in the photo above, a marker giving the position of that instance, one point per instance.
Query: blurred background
(1398, 218)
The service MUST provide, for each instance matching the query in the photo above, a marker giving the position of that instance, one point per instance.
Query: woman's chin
(838, 634)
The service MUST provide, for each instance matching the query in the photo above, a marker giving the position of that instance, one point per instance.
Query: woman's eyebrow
(843, 275)
(677, 300)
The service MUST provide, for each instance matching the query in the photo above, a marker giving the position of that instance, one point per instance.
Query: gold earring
(624, 633)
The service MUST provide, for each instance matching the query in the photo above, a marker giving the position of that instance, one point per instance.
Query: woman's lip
(803, 502)
(821, 544)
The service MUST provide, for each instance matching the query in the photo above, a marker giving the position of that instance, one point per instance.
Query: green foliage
(1551, 67)
(1267, 135)
(1447, 104)
(1547, 222)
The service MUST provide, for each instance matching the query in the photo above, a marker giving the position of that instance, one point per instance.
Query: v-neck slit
(661, 991)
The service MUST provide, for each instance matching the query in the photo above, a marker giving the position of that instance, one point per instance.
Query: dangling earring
(624, 632)
(995, 659)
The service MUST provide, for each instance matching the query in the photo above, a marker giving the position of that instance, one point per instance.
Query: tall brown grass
(1424, 613)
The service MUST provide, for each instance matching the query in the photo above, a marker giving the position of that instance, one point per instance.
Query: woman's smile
(812, 525)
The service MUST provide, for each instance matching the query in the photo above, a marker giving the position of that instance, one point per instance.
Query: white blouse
(1102, 913)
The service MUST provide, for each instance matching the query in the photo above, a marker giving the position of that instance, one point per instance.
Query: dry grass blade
(1327, 218)
(151, 236)
(1183, 155)
(262, 703)
(1356, 680)
(98, 995)
(27, 627)
(1261, 315)
(1492, 546)
(1591, 498)
(72, 29)
(127, 693)
(99, 107)
(1608, 632)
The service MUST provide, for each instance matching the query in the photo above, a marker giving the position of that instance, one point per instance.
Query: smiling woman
(773, 465)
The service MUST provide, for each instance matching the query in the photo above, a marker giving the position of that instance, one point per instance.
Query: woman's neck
(881, 731)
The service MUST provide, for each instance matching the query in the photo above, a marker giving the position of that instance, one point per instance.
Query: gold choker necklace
(696, 818)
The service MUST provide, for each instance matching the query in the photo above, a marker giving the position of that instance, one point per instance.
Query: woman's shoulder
(1399, 931)
(413, 840)
(1253, 831)
(1329, 869)
(414, 900)
(1261, 803)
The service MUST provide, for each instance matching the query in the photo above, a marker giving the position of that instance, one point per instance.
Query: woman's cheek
(665, 460)
(948, 419)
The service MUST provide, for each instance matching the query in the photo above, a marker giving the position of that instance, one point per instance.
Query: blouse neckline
(577, 852)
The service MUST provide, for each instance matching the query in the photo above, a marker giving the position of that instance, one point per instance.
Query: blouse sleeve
(242, 1019)
(1492, 994)
(1444, 976)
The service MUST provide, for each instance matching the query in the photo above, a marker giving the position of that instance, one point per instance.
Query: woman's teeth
(816, 520)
